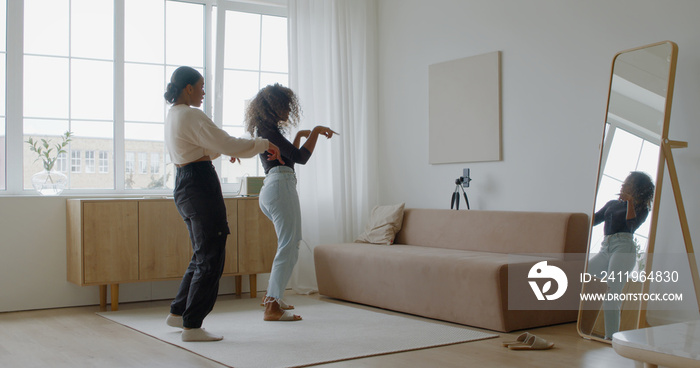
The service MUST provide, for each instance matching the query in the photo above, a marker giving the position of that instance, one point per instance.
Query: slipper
(532, 343)
(518, 340)
(286, 316)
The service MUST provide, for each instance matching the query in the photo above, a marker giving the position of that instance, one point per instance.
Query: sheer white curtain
(332, 68)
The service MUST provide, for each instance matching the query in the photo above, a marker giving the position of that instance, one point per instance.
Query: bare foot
(273, 312)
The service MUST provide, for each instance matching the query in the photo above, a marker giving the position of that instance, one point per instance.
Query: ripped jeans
(616, 257)
(279, 201)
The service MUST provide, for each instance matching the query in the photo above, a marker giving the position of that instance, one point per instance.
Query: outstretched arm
(310, 143)
(291, 150)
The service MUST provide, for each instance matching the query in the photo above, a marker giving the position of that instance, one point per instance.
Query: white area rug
(328, 332)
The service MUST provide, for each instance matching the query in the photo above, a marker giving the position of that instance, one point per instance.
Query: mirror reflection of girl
(618, 253)
(193, 140)
(274, 109)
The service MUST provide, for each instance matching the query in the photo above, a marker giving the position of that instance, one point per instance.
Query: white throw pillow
(384, 223)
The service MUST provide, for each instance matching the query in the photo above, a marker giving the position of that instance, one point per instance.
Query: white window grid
(155, 163)
(62, 162)
(143, 163)
(75, 161)
(89, 161)
(130, 158)
(103, 162)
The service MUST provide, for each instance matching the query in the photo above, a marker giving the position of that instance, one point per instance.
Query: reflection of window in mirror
(628, 150)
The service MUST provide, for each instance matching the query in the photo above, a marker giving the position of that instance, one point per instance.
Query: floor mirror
(622, 233)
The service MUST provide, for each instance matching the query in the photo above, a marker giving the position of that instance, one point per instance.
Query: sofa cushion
(384, 222)
(496, 231)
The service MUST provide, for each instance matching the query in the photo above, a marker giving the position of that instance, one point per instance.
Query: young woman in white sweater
(193, 140)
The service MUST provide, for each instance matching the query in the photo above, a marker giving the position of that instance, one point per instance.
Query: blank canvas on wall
(465, 109)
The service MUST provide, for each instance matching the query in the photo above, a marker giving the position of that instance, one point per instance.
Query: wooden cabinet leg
(253, 279)
(239, 284)
(103, 297)
(115, 297)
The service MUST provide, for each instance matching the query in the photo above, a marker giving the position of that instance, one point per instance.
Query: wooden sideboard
(116, 241)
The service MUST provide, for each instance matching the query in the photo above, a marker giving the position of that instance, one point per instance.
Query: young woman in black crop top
(273, 110)
(618, 253)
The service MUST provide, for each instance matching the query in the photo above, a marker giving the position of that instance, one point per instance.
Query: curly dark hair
(268, 107)
(643, 188)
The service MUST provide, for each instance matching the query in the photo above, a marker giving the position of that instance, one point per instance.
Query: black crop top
(290, 154)
(614, 213)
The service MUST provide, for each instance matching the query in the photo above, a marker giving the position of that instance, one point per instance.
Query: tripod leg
(465, 198)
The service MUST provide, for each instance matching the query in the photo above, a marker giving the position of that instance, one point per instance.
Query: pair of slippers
(528, 341)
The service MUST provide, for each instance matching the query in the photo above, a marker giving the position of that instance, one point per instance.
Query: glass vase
(49, 183)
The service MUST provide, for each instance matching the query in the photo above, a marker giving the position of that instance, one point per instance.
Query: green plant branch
(46, 153)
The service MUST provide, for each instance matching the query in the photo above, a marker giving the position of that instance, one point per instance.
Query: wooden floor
(77, 337)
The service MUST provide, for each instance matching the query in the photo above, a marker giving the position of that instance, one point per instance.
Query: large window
(255, 55)
(69, 82)
(98, 68)
(159, 36)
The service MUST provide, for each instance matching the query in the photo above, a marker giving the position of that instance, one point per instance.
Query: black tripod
(455, 194)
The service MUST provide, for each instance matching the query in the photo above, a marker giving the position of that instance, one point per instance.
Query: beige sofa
(453, 266)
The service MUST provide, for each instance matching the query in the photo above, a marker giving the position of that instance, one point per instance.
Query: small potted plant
(49, 181)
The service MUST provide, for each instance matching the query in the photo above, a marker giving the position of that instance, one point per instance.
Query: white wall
(556, 60)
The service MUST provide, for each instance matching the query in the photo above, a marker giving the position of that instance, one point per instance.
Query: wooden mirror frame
(664, 155)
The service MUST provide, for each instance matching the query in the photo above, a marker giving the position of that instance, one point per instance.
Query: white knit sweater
(190, 135)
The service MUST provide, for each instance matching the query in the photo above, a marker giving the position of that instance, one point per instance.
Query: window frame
(143, 162)
(216, 79)
(62, 162)
(90, 162)
(103, 162)
(155, 163)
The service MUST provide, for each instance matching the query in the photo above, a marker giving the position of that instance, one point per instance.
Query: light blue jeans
(617, 256)
(279, 201)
